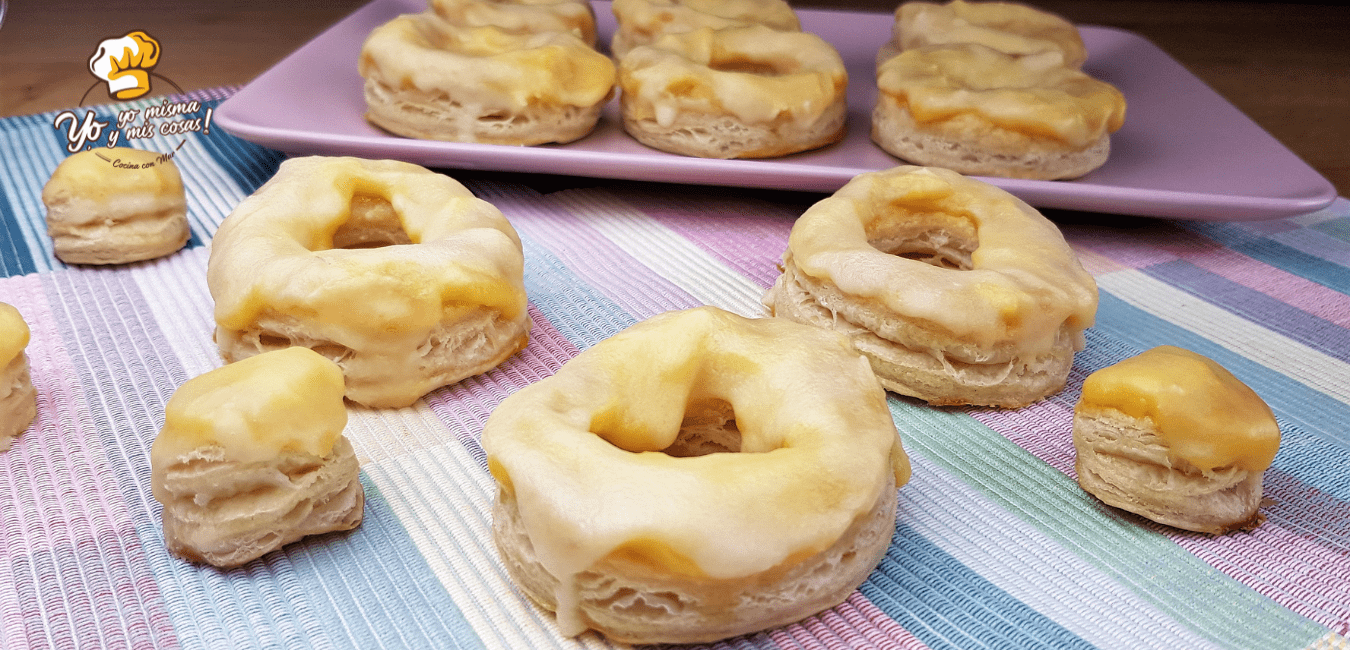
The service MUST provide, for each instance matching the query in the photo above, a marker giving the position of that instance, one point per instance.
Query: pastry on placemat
(18, 399)
(252, 457)
(1173, 436)
(111, 206)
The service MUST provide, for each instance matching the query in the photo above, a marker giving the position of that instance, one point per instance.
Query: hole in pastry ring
(958, 292)
(596, 523)
(739, 92)
(438, 298)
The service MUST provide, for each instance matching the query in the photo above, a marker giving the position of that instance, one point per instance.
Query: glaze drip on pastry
(431, 289)
(1206, 416)
(957, 291)
(589, 496)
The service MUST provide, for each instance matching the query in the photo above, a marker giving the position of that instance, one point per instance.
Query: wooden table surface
(1285, 65)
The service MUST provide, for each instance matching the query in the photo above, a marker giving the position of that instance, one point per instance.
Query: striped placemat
(995, 546)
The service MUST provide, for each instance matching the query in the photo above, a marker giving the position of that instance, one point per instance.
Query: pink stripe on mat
(1307, 575)
(1298, 573)
(468, 403)
(1148, 248)
(855, 624)
(62, 583)
(604, 266)
(881, 629)
(749, 237)
(1135, 250)
(1306, 295)
(1044, 428)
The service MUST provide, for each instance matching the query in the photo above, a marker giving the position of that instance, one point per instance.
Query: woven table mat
(995, 544)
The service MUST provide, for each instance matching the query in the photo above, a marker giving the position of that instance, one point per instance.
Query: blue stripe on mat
(248, 164)
(1154, 568)
(352, 581)
(1285, 319)
(15, 256)
(568, 302)
(29, 160)
(947, 605)
(1275, 254)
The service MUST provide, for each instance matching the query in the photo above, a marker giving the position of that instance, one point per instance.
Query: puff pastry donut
(398, 274)
(979, 111)
(616, 510)
(428, 78)
(958, 292)
(738, 92)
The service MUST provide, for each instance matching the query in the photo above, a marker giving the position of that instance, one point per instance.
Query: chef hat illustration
(125, 63)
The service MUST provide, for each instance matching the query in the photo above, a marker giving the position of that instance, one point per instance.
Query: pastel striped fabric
(995, 545)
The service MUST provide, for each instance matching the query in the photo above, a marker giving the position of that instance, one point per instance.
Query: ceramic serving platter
(1184, 152)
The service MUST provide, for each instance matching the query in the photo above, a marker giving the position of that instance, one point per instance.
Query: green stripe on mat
(1158, 571)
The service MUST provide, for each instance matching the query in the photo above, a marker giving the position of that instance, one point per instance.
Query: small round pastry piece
(1009, 27)
(697, 476)
(252, 458)
(426, 78)
(1174, 437)
(118, 205)
(739, 92)
(18, 399)
(395, 272)
(521, 16)
(643, 22)
(978, 111)
(958, 292)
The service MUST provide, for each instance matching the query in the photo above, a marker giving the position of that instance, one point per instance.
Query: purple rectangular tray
(1184, 151)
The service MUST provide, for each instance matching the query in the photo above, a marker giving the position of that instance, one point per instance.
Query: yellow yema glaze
(660, 16)
(757, 74)
(532, 17)
(275, 252)
(487, 66)
(642, 21)
(136, 179)
(1207, 417)
(1025, 282)
(252, 410)
(1037, 95)
(581, 450)
(14, 333)
(1008, 27)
